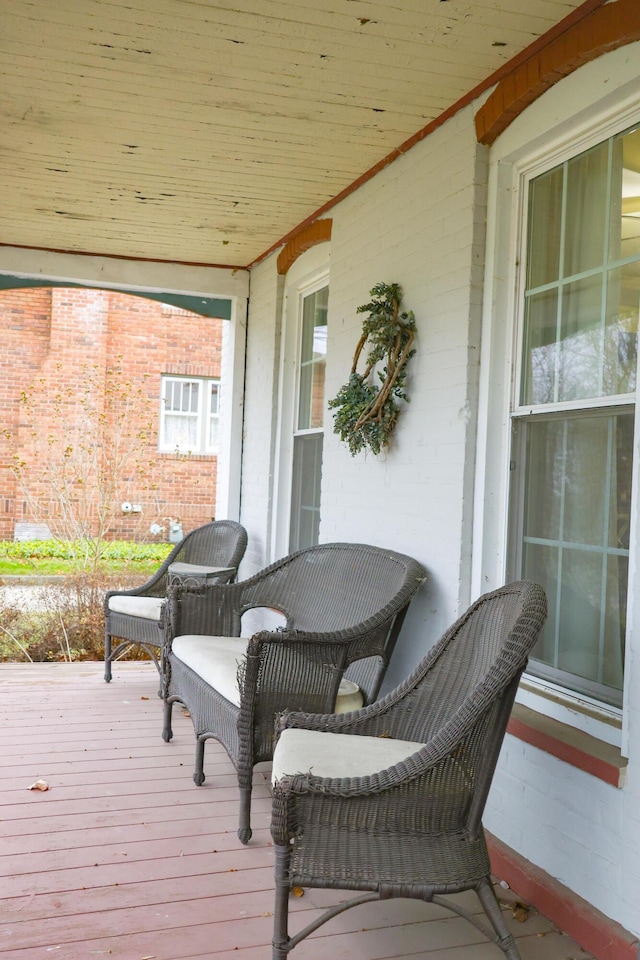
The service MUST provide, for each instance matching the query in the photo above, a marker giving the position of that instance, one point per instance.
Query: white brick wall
(412, 224)
(420, 222)
(566, 821)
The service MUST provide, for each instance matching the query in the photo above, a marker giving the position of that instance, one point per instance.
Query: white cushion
(149, 608)
(336, 755)
(216, 660)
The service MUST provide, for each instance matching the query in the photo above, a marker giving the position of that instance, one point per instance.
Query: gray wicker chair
(134, 616)
(343, 605)
(388, 800)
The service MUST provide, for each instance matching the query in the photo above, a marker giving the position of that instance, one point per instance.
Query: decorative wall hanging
(365, 412)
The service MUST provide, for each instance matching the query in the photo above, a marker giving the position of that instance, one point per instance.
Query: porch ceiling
(204, 131)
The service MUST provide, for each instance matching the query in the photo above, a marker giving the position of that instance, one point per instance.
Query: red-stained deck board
(124, 858)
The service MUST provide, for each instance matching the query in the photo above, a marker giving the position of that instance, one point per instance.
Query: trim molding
(600, 935)
(317, 232)
(605, 29)
(581, 750)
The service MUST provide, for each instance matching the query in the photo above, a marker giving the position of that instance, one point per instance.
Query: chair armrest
(212, 609)
(139, 591)
(428, 791)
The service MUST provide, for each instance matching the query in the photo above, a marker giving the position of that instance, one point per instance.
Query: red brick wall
(54, 341)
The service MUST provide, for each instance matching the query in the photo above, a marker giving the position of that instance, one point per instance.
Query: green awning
(219, 307)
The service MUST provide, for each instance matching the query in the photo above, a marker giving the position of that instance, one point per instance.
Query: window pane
(587, 195)
(541, 566)
(541, 351)
(580, 613)
(305, 498)
(545, 218)
(172, 395)
(621, 334)
(213, 398)
(581, 340)
(214, 435)
(625, 200)
(313, 360)
(580, 484)
(181, 433)
(213, 427)
(577, 500)
(544, 478)
(191, 394)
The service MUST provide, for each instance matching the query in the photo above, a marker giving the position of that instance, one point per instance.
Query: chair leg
(198, 774)
(107, 657)
(505, 939)
(280, 941)
(244, 828)
(167, 732)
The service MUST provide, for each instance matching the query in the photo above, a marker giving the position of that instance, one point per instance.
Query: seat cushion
(148, 608)
(336, 755)
(216, 660)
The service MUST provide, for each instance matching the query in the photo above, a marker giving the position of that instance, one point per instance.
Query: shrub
(62, 621)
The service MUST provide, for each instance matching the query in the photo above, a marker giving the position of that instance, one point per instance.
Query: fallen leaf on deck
(297, 891)
(144, 698)
(520, 911)
(39, 785)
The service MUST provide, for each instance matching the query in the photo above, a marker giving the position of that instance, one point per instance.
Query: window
(189, 415)
(573, 422)
(308, 434)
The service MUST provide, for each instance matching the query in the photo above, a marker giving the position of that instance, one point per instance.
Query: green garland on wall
(365, 412)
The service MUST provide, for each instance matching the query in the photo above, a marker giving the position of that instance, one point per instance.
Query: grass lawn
(56, 558)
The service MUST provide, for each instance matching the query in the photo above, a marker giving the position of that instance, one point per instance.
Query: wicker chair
(388, 800)
(134, 615)
(342, 604)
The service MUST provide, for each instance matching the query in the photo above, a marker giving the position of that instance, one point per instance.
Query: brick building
(149, 370)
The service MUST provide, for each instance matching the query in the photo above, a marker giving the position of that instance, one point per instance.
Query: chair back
(334, 586)
(219, 543)
(459, 698)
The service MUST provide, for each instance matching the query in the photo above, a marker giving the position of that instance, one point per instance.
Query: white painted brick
(420, 222)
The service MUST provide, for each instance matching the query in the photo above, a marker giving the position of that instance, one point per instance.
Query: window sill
(176, 455)
(581, 750)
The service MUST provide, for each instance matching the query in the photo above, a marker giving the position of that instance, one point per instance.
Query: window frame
(300, 433)
(203, 415)
(309, 273)
(529, 148)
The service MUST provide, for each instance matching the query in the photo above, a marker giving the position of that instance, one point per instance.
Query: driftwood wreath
(365, 412)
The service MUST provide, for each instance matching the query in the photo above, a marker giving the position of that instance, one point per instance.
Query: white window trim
(526, 150)
(203, 416)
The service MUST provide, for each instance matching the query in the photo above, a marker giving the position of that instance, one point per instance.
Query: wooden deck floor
(125, 858)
